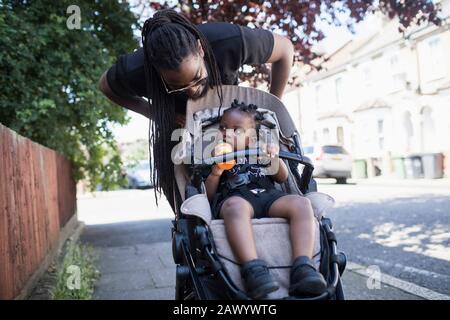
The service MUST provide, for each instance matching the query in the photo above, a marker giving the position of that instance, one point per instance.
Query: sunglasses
(201, 82)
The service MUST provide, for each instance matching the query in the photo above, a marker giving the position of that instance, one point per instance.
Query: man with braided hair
(180, 60)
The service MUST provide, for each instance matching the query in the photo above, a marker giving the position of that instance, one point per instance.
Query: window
(334, 150)
(380, 126)
(380, 129)
(381, 143)
(394, 61)
(398, 75)
(340, 135)
(435, 58)
(368, 79)
(408, 131)
(338, 90)
(318, 92)
(428, 134)
(308, 150)
(326, 135)
(399, 80)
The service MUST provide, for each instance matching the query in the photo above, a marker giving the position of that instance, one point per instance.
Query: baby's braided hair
(250, 109)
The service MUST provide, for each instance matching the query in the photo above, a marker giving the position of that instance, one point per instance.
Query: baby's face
(238, 129)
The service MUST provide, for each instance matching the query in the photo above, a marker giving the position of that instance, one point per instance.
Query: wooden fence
(37, 199)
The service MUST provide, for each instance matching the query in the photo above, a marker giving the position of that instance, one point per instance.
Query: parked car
(330, 161)
(139, 175)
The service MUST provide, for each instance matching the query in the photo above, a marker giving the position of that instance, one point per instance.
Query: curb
(410, 183)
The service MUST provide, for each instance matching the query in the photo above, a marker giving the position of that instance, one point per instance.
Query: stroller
(206, 267)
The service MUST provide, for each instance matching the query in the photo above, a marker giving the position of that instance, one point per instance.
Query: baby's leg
(300, 214)
(304, 277)
(237, 214)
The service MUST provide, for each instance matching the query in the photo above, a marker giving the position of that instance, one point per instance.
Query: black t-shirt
(233, 46)
(255, 172)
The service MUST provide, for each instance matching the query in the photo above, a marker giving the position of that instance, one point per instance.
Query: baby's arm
(212, 182)
(283, 173)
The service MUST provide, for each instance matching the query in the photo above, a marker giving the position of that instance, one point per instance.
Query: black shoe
(305, 279)
(257, 279)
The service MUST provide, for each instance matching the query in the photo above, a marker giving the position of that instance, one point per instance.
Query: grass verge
(76, 273)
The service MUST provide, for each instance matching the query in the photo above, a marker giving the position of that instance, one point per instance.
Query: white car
(330, 161)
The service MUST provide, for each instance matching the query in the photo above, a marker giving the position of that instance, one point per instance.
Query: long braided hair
(167, 38)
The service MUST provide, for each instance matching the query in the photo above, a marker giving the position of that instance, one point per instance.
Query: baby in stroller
(247, 191)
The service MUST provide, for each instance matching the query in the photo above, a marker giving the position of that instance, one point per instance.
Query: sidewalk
(140, 272)
(132, 270)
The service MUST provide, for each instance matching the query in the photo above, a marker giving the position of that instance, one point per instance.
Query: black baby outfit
(249, 182)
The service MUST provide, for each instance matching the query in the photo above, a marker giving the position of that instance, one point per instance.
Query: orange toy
(223, 148)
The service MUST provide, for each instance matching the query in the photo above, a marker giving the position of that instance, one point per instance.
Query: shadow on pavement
(406, 237)
(128, 233)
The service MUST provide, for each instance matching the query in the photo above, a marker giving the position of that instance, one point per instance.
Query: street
(403, 230)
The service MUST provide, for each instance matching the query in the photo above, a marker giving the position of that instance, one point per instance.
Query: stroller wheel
(339, 295)
(342, 262)
(183, 289)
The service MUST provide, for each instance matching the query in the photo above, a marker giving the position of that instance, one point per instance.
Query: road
(404, 230)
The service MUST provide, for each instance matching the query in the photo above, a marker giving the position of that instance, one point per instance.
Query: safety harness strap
(241, 181)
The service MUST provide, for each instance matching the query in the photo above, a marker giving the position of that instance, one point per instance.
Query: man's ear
(200, 48)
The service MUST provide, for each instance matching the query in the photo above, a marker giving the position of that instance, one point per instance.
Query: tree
(49, 75)
(297, 19)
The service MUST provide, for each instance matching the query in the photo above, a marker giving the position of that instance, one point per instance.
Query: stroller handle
(256, 152)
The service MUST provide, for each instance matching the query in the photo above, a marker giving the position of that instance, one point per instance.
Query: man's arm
(136, 104)
(282, 59)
